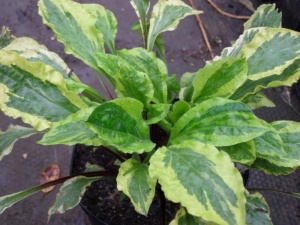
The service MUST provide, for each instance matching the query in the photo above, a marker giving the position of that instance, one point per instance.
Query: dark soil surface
(185, 51)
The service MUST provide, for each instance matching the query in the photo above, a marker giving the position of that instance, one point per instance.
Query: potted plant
(205, 121)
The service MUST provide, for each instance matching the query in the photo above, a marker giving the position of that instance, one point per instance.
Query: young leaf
(267, 54)
(82, 28)
(220, 122)
(219, 79)
(257, 210)
(202, 179)
(134, 180)
(157, 112)
(187, 88)
(179, 108)
(134, 84)
(166, 16)
(142, 60)
(265, 16)
(10, 136)
(35, 92)
(243, 153)
(173, 87)
(72, 130)
(141, 8)
(70, 194)
(120, 123)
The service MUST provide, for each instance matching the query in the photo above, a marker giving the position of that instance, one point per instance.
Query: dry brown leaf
(51, 173)
(248, 4)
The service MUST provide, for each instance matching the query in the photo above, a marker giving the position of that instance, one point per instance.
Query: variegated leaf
(10, 136)
(244, 39)
(220, 122)
(72, 130)
(257, 101)
(243, 153)
(35, 52)
(34, 91)
(146, 62)
(120, 124)
(82, 28)
(70, 194)
(219, 79)
(5, 37)
(141, 8)
(166, 16)
(267, 54)
(134, 84)
(264, 16)
(287, 77)
(134, 180)
(186, 86)
(281, 147)
(270, 168)
(257, 210)
(202, 179)
(173, 87)
(184, 218)
(108, 66)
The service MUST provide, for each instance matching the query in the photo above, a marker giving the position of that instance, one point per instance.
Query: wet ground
(185, 50)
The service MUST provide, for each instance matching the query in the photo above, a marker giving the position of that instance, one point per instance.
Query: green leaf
(184, 218)
(34, 91)
(141, 8)
(166, 16)
(258, 100)
(173, 87)
(82, 28)
(202, 179)
(219, 79)
(134, 84)
(243, 153)
(134, 180)
(157, 112)
(267, 54)
(264, 16)
(120, 123)
(187, 88)
(5, 37)
(72, 130)
(142, 60)
(108, 66)
(220, 122)
(10, 136)
(70, 194)
(179, 108)
(257, 210)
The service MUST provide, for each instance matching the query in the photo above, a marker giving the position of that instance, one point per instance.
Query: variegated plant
(207, 130)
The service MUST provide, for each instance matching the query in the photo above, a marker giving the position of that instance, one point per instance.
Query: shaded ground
(185, 51)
